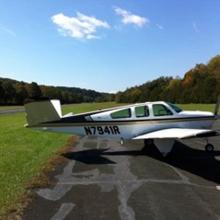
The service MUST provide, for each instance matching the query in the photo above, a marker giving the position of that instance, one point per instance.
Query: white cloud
(129, 18)
(79, 27)
(7, 30)
(160, 26)
(195, 27)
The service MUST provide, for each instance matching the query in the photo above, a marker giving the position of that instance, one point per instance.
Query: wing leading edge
(177, 133)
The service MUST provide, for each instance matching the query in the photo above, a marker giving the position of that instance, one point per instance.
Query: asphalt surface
(104, 180)
(11, 111)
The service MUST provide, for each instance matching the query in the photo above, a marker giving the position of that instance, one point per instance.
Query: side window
(141, 111)
(125, 113)
(161, 110)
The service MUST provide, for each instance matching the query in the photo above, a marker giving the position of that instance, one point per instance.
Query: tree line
(13, 92)
(200, 84)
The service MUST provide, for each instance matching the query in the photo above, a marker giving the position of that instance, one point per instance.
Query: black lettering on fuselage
(116, 129)
(107, 130)
(112, 130)
(93, 128)
(88, 131)
(102, 130)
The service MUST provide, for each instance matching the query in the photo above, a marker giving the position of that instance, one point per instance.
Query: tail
(42, 111)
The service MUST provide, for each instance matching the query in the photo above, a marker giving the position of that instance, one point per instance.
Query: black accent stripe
(78, 119)
(83, 121)
(207, 134)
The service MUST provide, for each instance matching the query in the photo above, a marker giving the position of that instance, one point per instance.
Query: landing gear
(148, 142)
(148, 145)
(155, 146)
(209, 148)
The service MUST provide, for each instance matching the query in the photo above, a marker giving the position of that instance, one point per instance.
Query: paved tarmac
(104, 180)
(11, 111)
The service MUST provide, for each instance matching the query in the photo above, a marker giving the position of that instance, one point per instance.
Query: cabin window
(161, 110)
(176, 108)
(141, 111)
(125, 113)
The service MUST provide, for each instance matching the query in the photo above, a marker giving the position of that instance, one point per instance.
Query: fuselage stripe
(123, 122)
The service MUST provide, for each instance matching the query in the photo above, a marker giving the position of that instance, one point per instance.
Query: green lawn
(77, 108)
(10, 107)
(24, 151)
(202, 107)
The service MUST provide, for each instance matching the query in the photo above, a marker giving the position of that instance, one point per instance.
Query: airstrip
(103, 180)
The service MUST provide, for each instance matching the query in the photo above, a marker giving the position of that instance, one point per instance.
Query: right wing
(178, 133)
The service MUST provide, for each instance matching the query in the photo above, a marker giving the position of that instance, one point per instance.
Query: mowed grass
(201, 107)
(3, 108)
(23, 152)
(84, 107)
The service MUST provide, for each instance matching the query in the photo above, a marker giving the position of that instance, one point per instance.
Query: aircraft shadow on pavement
(93, 156)
(195, 161)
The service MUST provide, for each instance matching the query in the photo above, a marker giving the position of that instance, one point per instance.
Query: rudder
(42, 111)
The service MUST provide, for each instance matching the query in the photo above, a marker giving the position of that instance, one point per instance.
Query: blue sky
(105, 45)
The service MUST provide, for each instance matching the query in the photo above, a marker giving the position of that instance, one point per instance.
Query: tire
(148, 142)
(209, 148)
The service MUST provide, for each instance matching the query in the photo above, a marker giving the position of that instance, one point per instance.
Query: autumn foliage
(201, 84)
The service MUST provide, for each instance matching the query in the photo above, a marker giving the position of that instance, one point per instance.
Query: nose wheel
(209, 148)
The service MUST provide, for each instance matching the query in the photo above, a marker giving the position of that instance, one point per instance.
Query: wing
(177, 133)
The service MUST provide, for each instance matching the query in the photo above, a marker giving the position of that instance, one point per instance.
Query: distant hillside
(201, 84)
(13, 92)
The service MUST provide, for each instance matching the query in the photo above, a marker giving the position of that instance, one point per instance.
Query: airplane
(157, 122)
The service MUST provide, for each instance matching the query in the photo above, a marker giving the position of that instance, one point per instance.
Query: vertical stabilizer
(43, 111)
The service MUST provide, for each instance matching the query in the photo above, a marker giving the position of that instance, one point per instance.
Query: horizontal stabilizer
(43, 111)
(177, 133)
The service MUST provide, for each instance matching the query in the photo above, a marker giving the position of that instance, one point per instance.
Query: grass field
(77, 108)
(3, 108)
(201, 107)
(23, 152)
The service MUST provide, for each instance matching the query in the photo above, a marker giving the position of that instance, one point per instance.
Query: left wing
(178, 133)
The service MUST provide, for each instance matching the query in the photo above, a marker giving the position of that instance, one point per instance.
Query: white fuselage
(101, 124)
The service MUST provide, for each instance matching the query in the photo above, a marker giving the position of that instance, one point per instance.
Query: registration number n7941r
(101, 130)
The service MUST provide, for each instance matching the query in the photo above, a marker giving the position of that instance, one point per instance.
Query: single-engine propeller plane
(158, 122)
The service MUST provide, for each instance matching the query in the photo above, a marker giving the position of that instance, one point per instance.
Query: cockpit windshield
(174, 107)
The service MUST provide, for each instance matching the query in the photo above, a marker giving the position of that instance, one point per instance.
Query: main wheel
(209, 148)
(148, 142)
